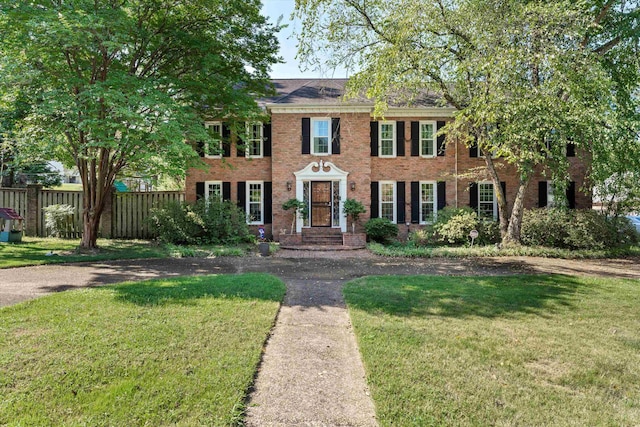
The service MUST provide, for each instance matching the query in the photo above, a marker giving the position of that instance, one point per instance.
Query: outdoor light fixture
(353, 185)
(288, 185)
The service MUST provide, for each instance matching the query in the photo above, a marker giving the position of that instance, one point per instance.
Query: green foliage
(381, 230)
(201, 223)
(454, 224)
(58, 219)
(576, 229)
(526, 77)
(353, 208)
(119, 86)
(422, 237)
(299, 208)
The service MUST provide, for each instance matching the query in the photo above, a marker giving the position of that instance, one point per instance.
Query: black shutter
(374, 199)
(442, 194)
(268, 202)
(415, 202)
(473, 149)
(571, 195)
(473, 195)
(335, 136)
(441, 140)
(374, 142)
(399, 139)
(571, 149)
(242, 195)
(226, 190)
(266, 138)
(306, 135)
(199, 190)
(542, 194)
(200, 148)
(226, 140)
(503, 184)
(400, 201)
(415, 138)
(241, 145)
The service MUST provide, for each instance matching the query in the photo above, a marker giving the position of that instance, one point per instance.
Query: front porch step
(322, 240)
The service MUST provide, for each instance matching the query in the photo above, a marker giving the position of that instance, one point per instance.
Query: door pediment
(321, 171)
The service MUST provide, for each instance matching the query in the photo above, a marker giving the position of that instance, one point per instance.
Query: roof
(8, 213)
(299, 92)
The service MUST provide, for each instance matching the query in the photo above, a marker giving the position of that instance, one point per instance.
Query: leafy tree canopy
(122, 84)
(527, 77)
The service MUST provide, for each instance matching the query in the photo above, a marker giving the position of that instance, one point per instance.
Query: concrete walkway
(311, 373)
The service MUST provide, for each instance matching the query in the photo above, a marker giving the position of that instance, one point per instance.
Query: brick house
(323, 150)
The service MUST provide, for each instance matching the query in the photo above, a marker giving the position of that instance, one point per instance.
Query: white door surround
(322, 171)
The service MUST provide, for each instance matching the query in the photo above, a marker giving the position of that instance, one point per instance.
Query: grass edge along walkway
(161, 352)
(529, 350)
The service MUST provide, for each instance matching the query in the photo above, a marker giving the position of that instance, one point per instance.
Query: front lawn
(37, 251)
(162, 352)
(518, 350)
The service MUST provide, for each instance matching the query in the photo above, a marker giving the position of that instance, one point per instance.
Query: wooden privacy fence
(125, 216)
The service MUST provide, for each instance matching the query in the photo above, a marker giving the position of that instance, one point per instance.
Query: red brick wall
(355, 159)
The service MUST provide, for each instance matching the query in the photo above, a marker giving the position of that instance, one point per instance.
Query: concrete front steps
(322, 239)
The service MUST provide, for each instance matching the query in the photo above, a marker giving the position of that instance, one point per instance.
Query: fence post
(33, 209)
(106, 219)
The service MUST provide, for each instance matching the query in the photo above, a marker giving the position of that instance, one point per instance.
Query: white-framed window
(213, 149)
(321, 136)
(387, 199)
(428, 202)
(255, 202)
(387, 139)
(487, 202)
(550, 192)
(213, 190)
(428, 139)
(254, 141)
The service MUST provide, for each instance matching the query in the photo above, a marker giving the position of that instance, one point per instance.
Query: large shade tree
(526, 77)
(123, 84)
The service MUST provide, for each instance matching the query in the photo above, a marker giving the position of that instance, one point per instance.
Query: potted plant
(299, 209)
(352, 209)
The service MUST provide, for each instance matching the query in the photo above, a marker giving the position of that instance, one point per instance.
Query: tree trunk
(90, 228)
(512, 236)
(503, 215)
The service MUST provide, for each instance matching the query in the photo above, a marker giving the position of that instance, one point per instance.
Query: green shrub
(59, 220)
(454, 224)
(381, 230)
(488, 233)
(213, 222)
(576, 229)
(421, 238)
(545, 227)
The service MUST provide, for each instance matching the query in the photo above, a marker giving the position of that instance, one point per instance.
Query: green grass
(162, 352)
(33, 251)
(518, 350)
(399, 250)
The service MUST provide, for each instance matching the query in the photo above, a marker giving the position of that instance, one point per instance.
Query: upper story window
(387, 145)
(487, 202)
(428, 139)
(213, 149)
(428, 200)
(320, 138)
(387, 198)
(254, 140)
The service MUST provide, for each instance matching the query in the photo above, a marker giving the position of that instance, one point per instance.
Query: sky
(290, 68)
